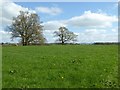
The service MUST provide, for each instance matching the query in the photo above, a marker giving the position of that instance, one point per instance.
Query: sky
(91, 21)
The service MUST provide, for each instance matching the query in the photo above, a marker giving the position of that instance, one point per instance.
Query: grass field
(60, 66)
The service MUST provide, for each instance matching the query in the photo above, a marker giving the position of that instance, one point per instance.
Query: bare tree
(27, 27)
(64, 35)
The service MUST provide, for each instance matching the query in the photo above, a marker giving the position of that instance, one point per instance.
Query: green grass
(60, 66)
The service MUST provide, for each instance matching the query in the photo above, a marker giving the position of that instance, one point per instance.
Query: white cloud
(89, 19)
(5, 21)
(5, 36)
(49, 35)
(10, 10)
(49, 10)
(114, 30)
(53, 25)
(94, 35)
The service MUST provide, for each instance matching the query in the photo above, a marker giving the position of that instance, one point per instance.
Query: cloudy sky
(91, 21)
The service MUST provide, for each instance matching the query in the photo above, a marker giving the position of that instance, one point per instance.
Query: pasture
(60, 66)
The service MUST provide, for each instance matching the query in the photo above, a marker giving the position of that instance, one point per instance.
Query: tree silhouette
(27, 27)
(64, 35)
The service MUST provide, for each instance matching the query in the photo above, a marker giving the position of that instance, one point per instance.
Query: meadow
(60, 66)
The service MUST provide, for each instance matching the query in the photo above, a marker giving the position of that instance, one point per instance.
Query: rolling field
(60, 66)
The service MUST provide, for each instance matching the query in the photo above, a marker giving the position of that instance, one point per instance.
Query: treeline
(96, 43)
(106, 43)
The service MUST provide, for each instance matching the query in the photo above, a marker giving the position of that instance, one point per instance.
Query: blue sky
(91, 21)
(71, 9)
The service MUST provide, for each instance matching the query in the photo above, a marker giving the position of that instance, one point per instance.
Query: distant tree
(2, 43)
(27, 27)
(64, 35)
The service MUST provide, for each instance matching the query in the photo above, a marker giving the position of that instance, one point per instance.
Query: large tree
(64, 35)
(28, 28)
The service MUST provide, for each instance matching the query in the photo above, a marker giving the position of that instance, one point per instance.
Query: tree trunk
(62, 42)
(62, 39)
(24, 43)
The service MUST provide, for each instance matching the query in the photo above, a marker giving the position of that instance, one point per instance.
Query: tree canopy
(28, 28)
(64, 35)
